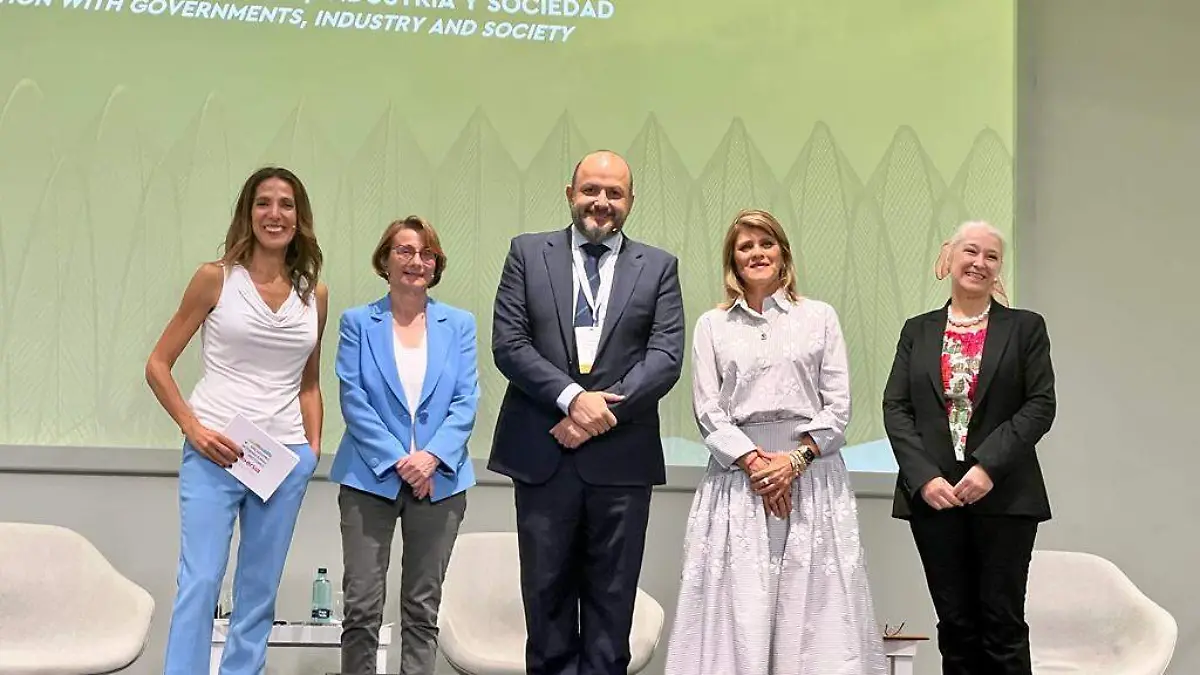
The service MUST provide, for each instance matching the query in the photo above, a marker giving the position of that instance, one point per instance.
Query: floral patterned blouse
(961, 355)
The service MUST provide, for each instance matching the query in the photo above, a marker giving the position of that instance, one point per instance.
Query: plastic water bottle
(322, 598)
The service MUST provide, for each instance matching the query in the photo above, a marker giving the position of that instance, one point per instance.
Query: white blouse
(789, 362)
(410, 366)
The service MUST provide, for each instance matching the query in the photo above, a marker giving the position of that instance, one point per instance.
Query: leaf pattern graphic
(906, 188)
(113, 170)
(24, 183)
(662, 185)
(700, 279)
(543, 202)
(79, 359)
(661, 218)
(31, 352)
(184, 216)
(981, 190)
(821, 188)
(984, 183)
(870, 318)
(369, 205)
(161, 272)
(412, 170)
(300, 146)
(736, 177)
(24, 189)
(196, 186)
(478, 202)
(96, 245)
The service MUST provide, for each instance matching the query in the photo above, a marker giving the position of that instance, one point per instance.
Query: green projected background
(870, 127)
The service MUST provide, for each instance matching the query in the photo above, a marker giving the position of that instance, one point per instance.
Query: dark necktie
(591, 266)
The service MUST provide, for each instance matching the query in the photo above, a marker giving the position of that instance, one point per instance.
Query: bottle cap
(321, 570)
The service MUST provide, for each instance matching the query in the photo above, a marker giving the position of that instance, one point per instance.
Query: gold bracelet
(799, 464)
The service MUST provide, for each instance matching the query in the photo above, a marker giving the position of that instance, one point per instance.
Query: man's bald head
(603, 159)
(600, 194)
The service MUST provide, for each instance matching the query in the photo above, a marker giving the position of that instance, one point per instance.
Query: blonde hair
(763, 221)
(941, 267)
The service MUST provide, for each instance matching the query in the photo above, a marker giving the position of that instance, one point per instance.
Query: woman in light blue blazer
(409, 391)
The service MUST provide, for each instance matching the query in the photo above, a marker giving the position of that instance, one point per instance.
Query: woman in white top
(262, 311)
(409, 382)
(774, 581)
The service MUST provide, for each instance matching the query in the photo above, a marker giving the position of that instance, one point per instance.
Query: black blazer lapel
(558, 264)
(625, 276)
(932, 337)
(999, 330)
(931, 354)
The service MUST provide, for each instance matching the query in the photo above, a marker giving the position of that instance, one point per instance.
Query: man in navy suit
(588, 328)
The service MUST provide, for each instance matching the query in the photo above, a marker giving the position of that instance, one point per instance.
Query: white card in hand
(587, 343)
(265, 461)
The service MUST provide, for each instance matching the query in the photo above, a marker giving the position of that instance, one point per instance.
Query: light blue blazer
(378, 421)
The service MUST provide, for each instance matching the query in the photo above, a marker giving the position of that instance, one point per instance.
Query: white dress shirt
(608, 266)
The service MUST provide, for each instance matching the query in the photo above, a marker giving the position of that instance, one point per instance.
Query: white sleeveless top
(253, 359)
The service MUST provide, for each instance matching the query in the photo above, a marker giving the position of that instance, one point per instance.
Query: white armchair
(1086, 617)
(64, 610)
(482, 621)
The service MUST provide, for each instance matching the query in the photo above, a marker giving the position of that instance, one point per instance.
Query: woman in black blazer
(970, 394)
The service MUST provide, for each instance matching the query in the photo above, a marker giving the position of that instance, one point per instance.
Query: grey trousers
(428, 531)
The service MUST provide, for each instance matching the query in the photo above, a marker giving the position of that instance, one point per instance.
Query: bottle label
(321, 614)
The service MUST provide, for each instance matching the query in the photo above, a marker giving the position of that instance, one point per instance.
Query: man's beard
(596, 235)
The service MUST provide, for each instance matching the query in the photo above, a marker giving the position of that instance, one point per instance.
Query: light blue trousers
(210, 500)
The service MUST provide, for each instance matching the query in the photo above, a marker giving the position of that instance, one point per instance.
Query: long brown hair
(303, 257)
(759, 220)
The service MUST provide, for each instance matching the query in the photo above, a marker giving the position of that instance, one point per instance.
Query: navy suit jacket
(533, 341)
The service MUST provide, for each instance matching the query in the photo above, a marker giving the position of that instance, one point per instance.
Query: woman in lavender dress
(774, 581)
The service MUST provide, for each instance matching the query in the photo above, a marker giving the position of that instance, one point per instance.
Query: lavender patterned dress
(762, 595)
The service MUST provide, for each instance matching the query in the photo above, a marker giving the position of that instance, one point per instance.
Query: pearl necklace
(968, 321)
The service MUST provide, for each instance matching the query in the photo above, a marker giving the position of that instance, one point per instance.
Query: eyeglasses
(888, 631)
(406, 253)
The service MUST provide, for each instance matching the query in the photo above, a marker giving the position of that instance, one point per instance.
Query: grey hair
(961, 233)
